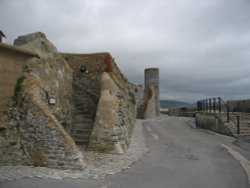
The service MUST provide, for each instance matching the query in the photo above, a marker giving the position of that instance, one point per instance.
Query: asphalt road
(179, 157)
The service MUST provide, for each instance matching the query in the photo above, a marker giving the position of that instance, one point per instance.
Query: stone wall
(150, 111)
(184, 111)
(39, 133)
(138, 92)
(150, 107)
(12, 61)
(114, 120)
(152, 89)
(239, 105)
(38, 126)
(86, 84)
(89, 90)
(215, 122)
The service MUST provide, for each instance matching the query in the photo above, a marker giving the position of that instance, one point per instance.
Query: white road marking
(155, 136)
(105, 186)
(149, 129)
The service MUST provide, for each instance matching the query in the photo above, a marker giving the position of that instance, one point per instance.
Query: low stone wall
(213, 122)
(184, 112)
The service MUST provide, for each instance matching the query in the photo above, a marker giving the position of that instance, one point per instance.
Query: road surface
(179, 157)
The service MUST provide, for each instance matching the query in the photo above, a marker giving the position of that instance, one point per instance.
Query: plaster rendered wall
(12, 61)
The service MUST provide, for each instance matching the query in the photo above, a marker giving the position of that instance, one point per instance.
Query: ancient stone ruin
(54, 103)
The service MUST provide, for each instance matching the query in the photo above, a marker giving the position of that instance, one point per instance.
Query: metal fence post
(214, 104)
(219, 105)
(227, 114)
(238, 124)
(210, 105)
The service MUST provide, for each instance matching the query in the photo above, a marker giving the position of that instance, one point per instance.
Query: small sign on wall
(52, 101)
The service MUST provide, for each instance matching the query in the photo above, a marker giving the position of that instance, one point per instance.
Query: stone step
(82, 120)
(83, 116)
(82, 112)
(244, 132)
(80, 136)
(244, 127)
(82, 126)
(82, 131)
(82, 142)
(245, 135)
(85, 124)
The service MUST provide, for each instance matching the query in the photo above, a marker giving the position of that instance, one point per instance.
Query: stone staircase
(82, 125)
(244, 124)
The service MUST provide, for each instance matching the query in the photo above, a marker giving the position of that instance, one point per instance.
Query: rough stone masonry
(61, 101)
(39, 133)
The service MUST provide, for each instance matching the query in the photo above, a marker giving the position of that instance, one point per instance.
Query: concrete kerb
(245, 163)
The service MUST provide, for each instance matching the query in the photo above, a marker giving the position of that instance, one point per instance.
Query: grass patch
(17, 90)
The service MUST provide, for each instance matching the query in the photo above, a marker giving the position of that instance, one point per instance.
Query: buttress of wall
(150, 111)
(127, 103)
(115, 119)
(12, 61)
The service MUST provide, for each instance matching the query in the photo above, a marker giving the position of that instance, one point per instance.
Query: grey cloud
(201, 47)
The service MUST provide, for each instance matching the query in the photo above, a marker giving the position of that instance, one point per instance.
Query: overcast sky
(202, 47)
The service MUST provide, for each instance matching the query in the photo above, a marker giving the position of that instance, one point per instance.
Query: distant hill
(174, 104)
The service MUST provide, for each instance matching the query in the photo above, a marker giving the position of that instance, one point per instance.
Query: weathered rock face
(43, 137)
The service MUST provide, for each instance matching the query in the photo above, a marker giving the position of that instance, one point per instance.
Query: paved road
(179, 157)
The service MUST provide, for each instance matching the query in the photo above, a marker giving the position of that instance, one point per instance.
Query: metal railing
(218, 105)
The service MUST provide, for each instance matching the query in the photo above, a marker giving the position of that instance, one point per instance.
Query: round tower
(152, 80)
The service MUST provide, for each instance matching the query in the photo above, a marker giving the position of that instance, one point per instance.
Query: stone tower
(152, 90)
